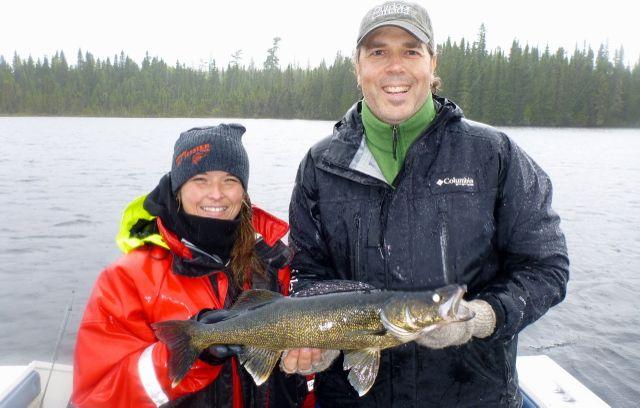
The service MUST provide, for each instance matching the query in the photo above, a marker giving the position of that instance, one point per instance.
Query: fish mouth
(453, 310)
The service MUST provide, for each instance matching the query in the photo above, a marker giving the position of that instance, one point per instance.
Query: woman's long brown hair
(244, 260)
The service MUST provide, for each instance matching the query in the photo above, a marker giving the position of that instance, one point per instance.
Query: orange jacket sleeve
(118, 361)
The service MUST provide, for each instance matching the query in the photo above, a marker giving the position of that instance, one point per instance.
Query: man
(407, 194)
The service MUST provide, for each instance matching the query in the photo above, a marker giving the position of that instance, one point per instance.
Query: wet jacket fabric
(468, 207)
(119, 362)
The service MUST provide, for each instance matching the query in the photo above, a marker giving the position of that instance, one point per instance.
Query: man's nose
(395, 64)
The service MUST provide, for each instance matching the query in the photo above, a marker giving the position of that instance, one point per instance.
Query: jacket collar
(186, 262)
(172, 240)
(268, 226)
(349, 132)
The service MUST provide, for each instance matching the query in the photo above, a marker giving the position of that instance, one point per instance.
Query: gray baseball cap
(409, 16)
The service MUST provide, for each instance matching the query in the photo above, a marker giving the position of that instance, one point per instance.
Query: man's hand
(305, 361)
(454, 334)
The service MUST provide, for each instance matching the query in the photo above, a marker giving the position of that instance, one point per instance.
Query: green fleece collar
(389, 144)
(380, 134)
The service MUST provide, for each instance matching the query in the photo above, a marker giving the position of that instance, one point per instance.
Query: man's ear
(358, 74)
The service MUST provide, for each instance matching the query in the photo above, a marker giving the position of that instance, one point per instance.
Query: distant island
(524, 86)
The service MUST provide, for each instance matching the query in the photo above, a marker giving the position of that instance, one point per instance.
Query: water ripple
(72, 223)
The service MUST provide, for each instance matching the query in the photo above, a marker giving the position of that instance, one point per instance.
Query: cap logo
(394, 8)
(196, 153)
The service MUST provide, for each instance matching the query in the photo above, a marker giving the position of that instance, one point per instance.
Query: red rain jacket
(118, 360)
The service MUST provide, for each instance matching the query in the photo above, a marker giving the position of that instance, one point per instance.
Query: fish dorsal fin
(363, 366)
(326, 287)
(259, 362)
(254, 298)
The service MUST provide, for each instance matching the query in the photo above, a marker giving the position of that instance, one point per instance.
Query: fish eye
(436, 298)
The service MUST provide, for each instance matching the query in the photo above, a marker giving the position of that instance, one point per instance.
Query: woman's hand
(305, 361)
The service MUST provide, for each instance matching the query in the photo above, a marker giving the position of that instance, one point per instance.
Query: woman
(192, 245)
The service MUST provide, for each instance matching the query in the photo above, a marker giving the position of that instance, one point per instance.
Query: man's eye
(377, 52)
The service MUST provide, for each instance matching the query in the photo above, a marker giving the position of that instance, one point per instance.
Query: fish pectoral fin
(259, 362)
(358, 333)
(363, 366)
(254, 298)
(380, 332)
(400, 333)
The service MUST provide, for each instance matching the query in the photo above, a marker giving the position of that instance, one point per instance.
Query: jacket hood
(137, 227)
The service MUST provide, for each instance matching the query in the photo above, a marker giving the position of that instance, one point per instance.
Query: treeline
(524, 86)
(530, 87)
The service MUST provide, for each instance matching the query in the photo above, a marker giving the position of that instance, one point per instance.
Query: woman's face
(214, 194)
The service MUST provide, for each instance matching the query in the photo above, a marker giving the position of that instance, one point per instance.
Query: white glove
(454, 334)
(325, 360)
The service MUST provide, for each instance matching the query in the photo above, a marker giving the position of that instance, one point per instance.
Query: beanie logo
(196, 153)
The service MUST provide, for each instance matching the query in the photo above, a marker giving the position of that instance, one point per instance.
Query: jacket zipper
(444, 240)
(384, 215)
(356, 266)
(394, 129)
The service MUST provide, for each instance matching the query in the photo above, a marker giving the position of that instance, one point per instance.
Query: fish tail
(179, 336)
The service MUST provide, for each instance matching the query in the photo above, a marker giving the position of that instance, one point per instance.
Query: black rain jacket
(468, 207)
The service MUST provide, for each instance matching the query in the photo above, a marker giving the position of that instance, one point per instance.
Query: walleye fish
(355, 318)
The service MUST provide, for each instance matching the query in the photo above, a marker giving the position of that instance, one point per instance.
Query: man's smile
(396, 89)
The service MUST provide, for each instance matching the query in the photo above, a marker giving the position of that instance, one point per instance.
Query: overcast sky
(195, 31)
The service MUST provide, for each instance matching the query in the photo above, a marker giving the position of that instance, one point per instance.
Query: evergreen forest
(524, 86)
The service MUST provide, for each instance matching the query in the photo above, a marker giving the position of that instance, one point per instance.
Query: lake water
(64, 182)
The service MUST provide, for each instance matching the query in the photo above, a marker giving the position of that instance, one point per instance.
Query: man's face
(394, 70)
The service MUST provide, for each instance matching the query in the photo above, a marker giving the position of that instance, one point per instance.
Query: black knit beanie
(203, 149)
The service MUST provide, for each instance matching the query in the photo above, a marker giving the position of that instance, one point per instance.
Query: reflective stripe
(147, 374)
